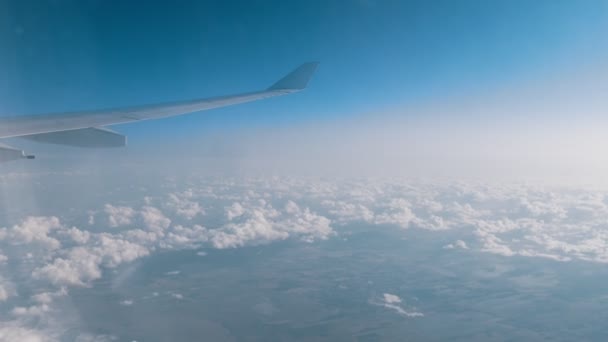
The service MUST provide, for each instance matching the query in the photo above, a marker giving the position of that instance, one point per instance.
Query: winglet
(297, 79)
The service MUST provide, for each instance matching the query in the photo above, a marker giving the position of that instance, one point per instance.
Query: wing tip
(297, 79)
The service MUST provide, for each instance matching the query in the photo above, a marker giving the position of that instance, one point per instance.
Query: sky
(442, 177)
(401, 79)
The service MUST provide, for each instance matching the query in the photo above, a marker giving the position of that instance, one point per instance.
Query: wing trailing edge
(8, 153)
(84, 129)
(86, 137)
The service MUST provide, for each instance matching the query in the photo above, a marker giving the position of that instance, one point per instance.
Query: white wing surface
(84, 129)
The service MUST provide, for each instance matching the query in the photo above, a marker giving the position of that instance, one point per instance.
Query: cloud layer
(54, 255)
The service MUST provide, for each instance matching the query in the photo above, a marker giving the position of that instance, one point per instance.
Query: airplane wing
(86, 129)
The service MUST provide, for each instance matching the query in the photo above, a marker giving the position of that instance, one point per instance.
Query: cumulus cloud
(261, 223)
(391, 298)
(346, 212)
(86, 337)
(457, 244)
(59, 257)
(31, 311)
(48, 297)
(397, 212)
(12, 331)
(80, 265)
(5, 289)
(154, 219)
(118, 216)
(394, 302)
(77, 236)
(234, 211)
(3, 293)
(507, 220)
(126, 302)
(183, 205)
(33, 230)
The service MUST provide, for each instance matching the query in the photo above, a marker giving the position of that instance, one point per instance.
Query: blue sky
(71, 55)
(477, 91)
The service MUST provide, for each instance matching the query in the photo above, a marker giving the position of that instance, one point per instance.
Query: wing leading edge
(76, 128)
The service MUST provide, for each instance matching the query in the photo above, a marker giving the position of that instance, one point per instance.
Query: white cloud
(180, 237)
(77, 268)
(31, 311)
(394, 302)
(91, 220)
(457, 244)
(507, 220)
(48, 297)
(391, 298)
(256, 228)
(86, 337)
(12, 332)
(33, 230)
(183, 206)
(76, 235)
(80, 265)
(6, 289)
(261, 223)
(234, 211)
(397, 212)
(118, 216)
(126, 302)
(115, 250)
(141, 236)
(402, 311)
(154, 219)
(346, 212)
